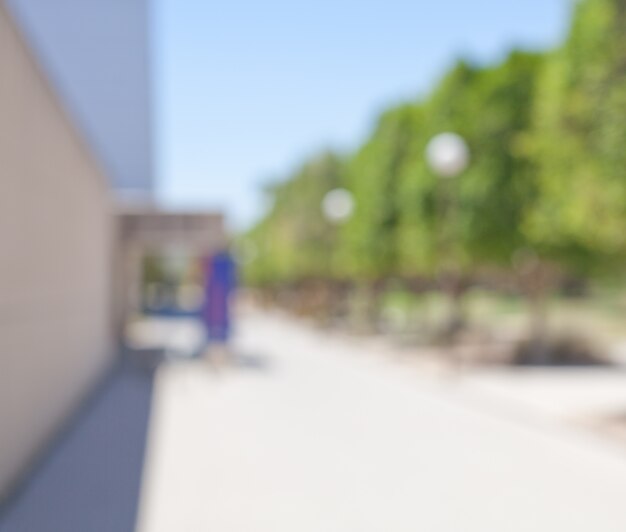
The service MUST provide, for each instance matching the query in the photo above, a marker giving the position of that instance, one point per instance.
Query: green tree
(369, 239)
(580, 134)
(472, 223)
(294, 238)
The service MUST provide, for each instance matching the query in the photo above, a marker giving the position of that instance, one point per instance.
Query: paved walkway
(90, 479)
(310, 433)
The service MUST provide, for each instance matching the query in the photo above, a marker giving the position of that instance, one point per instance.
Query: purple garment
(220, 282)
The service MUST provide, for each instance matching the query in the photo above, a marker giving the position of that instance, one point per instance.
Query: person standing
(220, 281)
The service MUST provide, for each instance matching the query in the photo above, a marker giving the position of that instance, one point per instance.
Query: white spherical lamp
(448, 154)
(338, 205)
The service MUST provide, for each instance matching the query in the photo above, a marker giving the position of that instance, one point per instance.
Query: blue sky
(245, 90)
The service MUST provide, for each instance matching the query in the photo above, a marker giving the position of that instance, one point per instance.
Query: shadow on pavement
(90, 480)
(251, 361)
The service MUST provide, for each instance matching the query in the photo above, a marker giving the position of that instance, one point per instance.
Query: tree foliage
(547, 134)
(293, 240)
(579, 137)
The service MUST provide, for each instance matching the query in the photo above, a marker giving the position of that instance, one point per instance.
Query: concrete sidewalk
(584, 397)
(90, 479)
(592, 398)
(308, 432)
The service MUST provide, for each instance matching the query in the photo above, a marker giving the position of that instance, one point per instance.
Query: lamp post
(448, 156)
(337, 208)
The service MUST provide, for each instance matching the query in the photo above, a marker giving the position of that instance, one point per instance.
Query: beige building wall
(55, 259)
